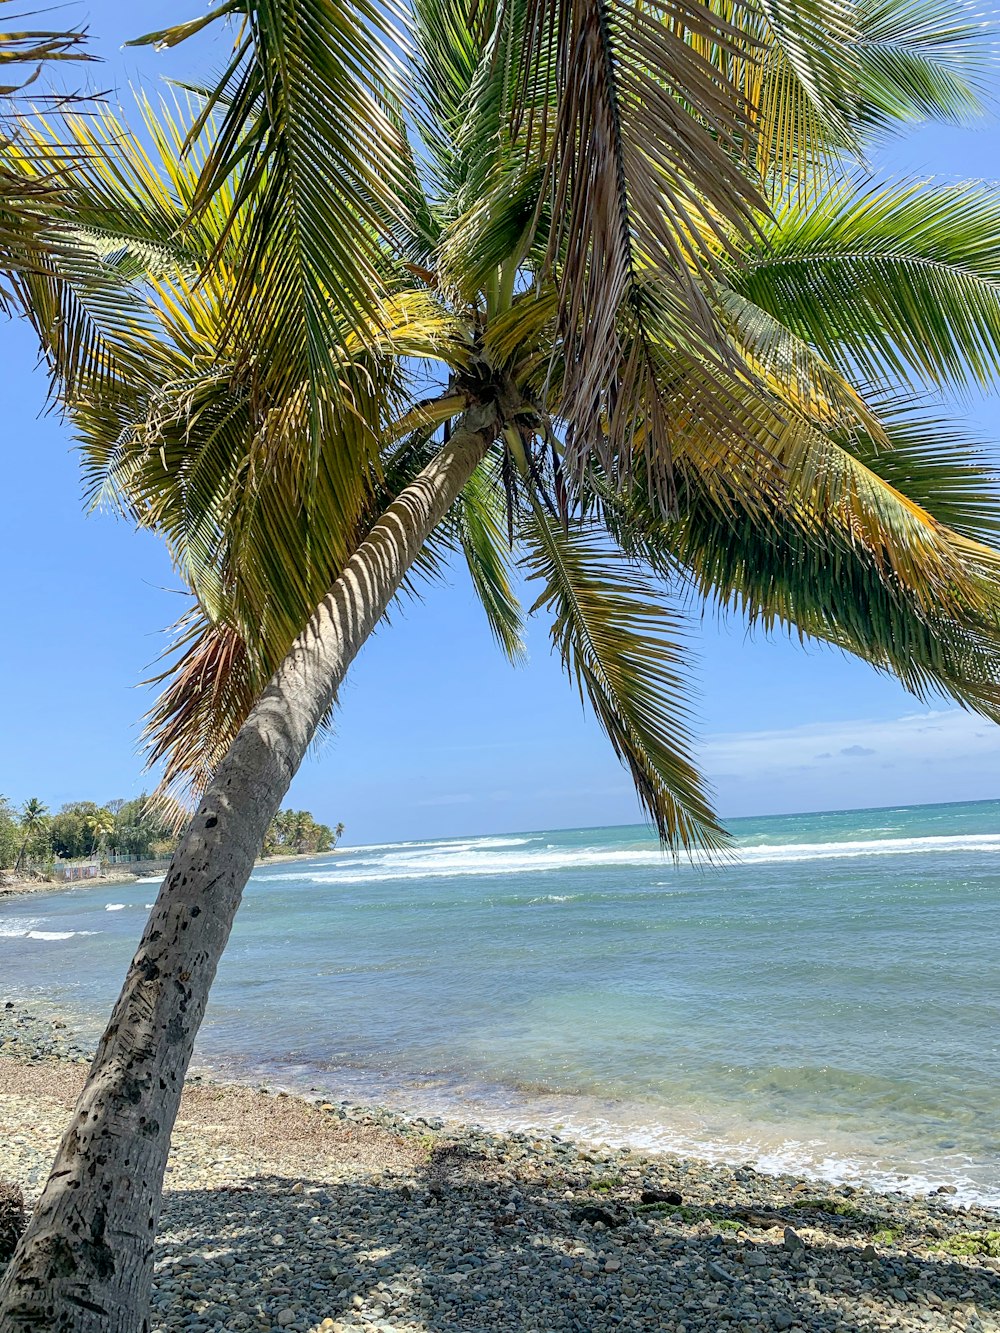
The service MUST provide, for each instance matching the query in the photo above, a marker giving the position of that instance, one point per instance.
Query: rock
(661, 1196)
(297, 1187)
(869, 1255)
(286, 1317)
(594, 1215)
(720, 1274)
(782, 1320)
(612, 1265)
(793, 1241)
(946, 1189)
(755, 1259)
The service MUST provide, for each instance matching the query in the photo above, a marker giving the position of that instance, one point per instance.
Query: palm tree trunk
(85, 1263)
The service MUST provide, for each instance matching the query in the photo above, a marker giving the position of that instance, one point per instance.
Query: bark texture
(85, 1264)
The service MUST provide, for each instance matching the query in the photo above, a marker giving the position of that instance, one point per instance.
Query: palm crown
(631, 233)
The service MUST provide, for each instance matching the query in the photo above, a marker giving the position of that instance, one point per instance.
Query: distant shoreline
(21, 887)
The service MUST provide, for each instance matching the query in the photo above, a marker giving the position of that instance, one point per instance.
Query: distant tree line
(142, 829)
(296, 832)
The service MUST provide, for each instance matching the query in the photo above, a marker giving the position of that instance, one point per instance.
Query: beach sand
(281, 1214)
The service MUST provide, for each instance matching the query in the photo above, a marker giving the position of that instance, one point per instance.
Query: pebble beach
(283, 1214)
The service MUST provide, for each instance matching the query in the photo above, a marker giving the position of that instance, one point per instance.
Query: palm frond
(817, 584)
(26, 196)
(309, 133)
(937, 463)
(480, 521)
(890, 283)
(24, 52)
(866, 587)
(921, 59)
(640, 134)
(620, 647)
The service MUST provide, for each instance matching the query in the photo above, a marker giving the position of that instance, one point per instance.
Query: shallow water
(829, 1004)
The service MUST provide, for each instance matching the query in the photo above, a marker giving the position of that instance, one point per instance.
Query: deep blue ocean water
(830, 1004)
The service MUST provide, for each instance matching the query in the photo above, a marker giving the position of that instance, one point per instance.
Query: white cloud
(932, 756)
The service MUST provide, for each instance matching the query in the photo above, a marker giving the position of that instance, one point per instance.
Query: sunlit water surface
(830, 1004)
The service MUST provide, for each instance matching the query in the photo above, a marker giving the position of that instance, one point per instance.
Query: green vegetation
(604, 1184)
(296, 832)
(887, 1235)
(686, 1213)
(972, 1243)
(141, 829)
(832, 1207)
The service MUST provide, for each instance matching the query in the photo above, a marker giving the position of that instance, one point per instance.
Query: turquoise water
(829, 1004)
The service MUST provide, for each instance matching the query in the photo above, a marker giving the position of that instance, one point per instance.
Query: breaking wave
(516, 856)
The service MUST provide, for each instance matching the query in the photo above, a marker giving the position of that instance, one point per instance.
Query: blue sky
(436, 733)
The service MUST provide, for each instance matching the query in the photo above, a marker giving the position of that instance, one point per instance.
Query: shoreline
(16, 888)
(326, 1218)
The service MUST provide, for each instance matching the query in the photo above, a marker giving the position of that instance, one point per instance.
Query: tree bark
(85, 1264)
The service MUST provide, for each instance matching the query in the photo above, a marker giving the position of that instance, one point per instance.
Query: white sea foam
(30, 927)
(487, 840)
(835, 851)
(58, 934)
(115, 907)
(809, 1157)
(16, 927)
(492, 857)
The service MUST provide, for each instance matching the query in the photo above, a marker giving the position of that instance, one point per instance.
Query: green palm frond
(817, 584)
(481, 523)
(112, 233)
(621, 648)
(888, 282)
(920, 59)
(309, 133)
(819, 574)
(937, 463)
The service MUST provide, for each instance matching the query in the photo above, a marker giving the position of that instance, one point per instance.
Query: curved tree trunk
(85, 1264)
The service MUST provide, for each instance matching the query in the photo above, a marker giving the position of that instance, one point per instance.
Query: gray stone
(719, 1273)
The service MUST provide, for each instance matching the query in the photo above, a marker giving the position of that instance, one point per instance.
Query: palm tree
(32, 822)
(338, 833)
(100, 826)
(619, 384)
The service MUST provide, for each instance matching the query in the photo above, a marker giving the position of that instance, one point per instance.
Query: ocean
(828, 1005)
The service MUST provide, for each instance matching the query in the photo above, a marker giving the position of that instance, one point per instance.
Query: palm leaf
(309, 133)
(620, 647)
(887, 282)
(920, 59)
(480, 521)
